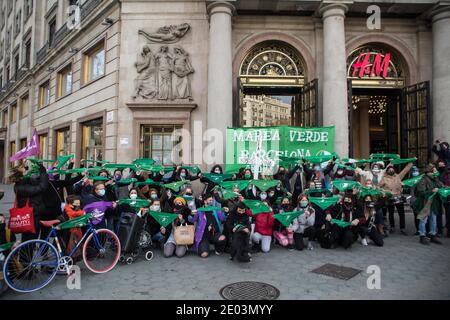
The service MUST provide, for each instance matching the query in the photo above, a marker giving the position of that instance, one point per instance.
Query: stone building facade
(115, 79)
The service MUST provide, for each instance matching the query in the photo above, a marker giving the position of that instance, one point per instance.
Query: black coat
(54, 196)
(34, 191)
(234, 218)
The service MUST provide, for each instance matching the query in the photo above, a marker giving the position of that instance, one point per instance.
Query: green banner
(276, 143)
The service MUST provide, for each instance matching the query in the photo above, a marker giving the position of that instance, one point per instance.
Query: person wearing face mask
(26, 189)
(284, 235)
(442, 150)
(303, 225)
(181, 174)
(368, 226)
(285, 176)
(392, 182)
(192, 202)
(239, 223)
(209, 185)
(153, 227)
(345, 211)
(375, 173)
(182, 211)
(208, 229)
(427, 208)
(262, 235)
(72, 210)
(317, 175)
(98, 204)
(246, 174)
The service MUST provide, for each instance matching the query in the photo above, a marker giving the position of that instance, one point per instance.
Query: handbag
(184, 235)
(21, 220)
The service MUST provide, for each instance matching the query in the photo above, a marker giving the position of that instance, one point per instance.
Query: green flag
(194, 170)
(99, 178)
(209, 208)
(6, 246)
(444, 193)
(164, 218)
(77, 222)
(125, 182)
(143, 162)
(265, 185)
(340, 223)
(403, 161)
(62, 160)
(320, 190)
(411, 183)
(155, 169)
(175, 186)
(324, 203)
(286, 218)
(217, 178)
(227, 194)
(320, 159)
(148, 182)
(373, 192)
(241, 184)
(256, 206)
(343, 185)
(384, 156)
(135, 203)
(119, 166)
(355, 161)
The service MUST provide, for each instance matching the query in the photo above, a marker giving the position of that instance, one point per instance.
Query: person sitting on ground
(284, 235)
(368, 228)
(170, 246)
(208, 229)
(303, 225)
(262, 236)
(239, 224)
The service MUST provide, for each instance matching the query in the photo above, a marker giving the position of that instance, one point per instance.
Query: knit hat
(180, 199)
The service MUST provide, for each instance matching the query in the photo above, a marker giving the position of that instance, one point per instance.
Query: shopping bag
(184, 235)
(21, 220)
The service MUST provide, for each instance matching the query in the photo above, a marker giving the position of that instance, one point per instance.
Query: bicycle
(33, 264)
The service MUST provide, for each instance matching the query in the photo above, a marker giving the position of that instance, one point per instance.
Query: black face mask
(370, 204)
(76, 208)
(347, 206)
(178, 206)
(441, 169)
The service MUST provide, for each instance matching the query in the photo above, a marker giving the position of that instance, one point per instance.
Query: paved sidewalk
(409, 270)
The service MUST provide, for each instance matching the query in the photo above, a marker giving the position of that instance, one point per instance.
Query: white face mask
(263, 196)
(133, 196)
(155, 208)
(217, 171)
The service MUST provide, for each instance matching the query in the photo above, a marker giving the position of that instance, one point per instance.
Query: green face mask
(247, 176)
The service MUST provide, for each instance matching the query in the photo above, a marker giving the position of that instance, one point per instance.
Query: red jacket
(264, 223)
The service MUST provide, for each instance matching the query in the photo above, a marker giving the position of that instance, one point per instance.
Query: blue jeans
(158, 237)
(379, 218)
(432, 225)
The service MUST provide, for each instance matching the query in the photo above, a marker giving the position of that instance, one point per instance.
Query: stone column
(220, 74)
(441, 74)
(335, 100)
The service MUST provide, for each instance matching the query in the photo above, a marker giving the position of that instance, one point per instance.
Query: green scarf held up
(444, 193)
(217, 178)
(77, 222)
(324, 203)
(256, 206)
(411, 183)
(175, 186)
(264, 185)
(403, 161)
(135, 203)
(286, 218)
(164, 218)
(241, 184)
(340, 223)
(342, 185)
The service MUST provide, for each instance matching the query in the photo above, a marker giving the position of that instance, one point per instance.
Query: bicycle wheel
(101, 251)
(31, 266)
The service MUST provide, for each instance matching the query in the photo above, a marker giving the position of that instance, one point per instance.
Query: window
(63, 142)
(159, 143)
(14, 113)
(92, 140)
(7, 73)
(65, 81)
(16, 64)
(27, 54)
(94, 63)
(18, 22)
(44, 94)
(1, 49)
(24, 104)
(43, 144)
(12, 151)
(5, 120)
(1, 78)
(51, 31)
(23, 143)
(28, 10)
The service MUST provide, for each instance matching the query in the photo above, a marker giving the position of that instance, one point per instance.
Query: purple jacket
(200, 219)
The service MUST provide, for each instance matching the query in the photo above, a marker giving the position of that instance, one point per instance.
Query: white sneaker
(310, 246)
(364, 242)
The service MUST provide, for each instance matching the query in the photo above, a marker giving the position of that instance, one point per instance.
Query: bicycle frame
(54, 235)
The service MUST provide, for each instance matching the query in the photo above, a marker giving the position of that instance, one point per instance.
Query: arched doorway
(272, 88)
(385, 115)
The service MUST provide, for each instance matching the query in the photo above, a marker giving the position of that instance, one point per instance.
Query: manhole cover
(335, 271)
(249, 290)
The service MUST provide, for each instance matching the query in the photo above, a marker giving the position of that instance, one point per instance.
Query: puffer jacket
(264, 223)
(303, 221)
(393, 184)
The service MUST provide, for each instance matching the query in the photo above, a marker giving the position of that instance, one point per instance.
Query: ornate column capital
(220, 7)
(440, 12)
(334, 8)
